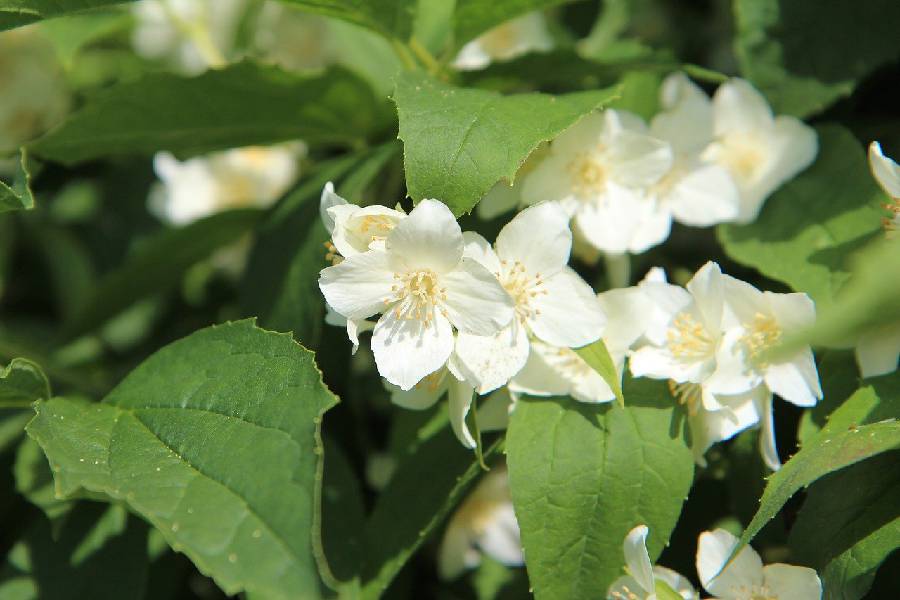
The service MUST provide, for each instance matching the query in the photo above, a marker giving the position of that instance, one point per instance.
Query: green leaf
(459, 142)
(224, 459)
(343, 515)
(12, 425)
(806, 55)
(665, 592)
(35, 481)
(829, 451)
(99, 553)
(849, 524)
(839, 377)
(392, 18)
(427, 485)
(18, 196)
(474, 17)
(597, 357)
(240, 105)
(808, 227)
(15, 13)
(22, 382)
(159, 265)
(878, 400)
(583, 475)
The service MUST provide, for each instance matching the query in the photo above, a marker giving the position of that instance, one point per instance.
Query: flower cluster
(744, 578)
(700, 161)
(457, 314)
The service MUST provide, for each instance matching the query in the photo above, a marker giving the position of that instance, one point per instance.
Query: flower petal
(406, 350)
(637, 559)
(539, 238)
(459, 401)
(687, 119)
(708, 291)
(877, 352)
(713, 550)
(612, 222)
(797, 380)
(538, 377)
(476, 303)
(788, 581)
(566, 313)
(479, 249)
(677, 582)
(626, 311)
(738, 106)
(501, 538)
(767, 446)
(425, 393)
(429, 238)
(359, 286)
(705, 196)
(328, 199)
(639, 160)
(489, 361)
(885, 170)
(360, 229)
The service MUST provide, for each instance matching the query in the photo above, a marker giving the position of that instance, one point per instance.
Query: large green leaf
(15, 13)
(17, 196)
(239, 105)
(22, 382)
(99, 553)
(158, 265)
(459, 142)
(474, 17)
(583, 475)
(805, 55)
(849, 524)
(807, 229)
(427, 485)
(392, 18)
(224, 459)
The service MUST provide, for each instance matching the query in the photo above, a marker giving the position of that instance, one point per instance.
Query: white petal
(638, 160)
(732, 375)
(738, 106)
(768, 449)
(358, 286)
(566, 312)
(459, 401)
(626, 310)
(501, 198)
(708, 291)
(713, 550)
(742, 303)
(538, 237)
(611, 224)
(479, 249)
(489, 362)
(653, 229)
(456, 553)
(493, 413)
(406, 350)
(790, 582)
(736, 414)
(677, 582)
(793, 312)
(429, 238)
(877, 352)
(360, 229)
(425, 393)
(501, 539)
(797, 380)
(687, 119)
(658, 363)
(550, 180)
(329, 198)
(668, 300)
(476, 302)
(583, 135)
(705, 196)
(885, 170)
(538, 377)
(637, 559)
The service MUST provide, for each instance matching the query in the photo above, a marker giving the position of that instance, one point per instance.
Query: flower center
(417, 294)
(522, 287)
(500, 41)
(742, 154)
(687, 339)
(892, 223)
(625, 594)
(689, 395)
(332, 255)
(431, 383)
(375, 227)
(588, 174)
(754, 592)
(572, 364)
(763, 334)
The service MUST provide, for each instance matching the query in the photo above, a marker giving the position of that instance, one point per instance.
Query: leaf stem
(409, 63)
(421, 52)
(618, 270)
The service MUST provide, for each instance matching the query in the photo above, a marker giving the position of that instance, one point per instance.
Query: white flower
(511, 39)
(877, 352)
(293, 39)
(484, 523)
(600, 170)
(356, 229)
(33, 91)
(559, 371)
(552, 303)
(423, 287)
(695, 192)
(885, 171)
(746, 578)
(761, 151)
(190, 34)
(242, 177)
(641, 580)
(354, 326)
(505, 197)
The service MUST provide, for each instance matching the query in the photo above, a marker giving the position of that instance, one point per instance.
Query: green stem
(421, 52)
(618, 270)
(409, 63)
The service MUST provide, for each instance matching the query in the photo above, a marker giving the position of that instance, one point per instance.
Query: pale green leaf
(158, 265)
(474, 17)
(597, 357)
(807, 228)
(224, 459)
(22, 382)
(240, 105)
(583, 475)
(806, 55)
(392, 18)
(849, 524)
(17, 196)
(459, 142)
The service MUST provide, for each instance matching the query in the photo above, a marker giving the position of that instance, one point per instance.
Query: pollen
(753, 592)
(892, 223)
(588, 174)
(763, 334)
(523, 287)
(625, 594)
(375, 227)
(687, 339)
(689, 395)
(331, 254)
(417, 295)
